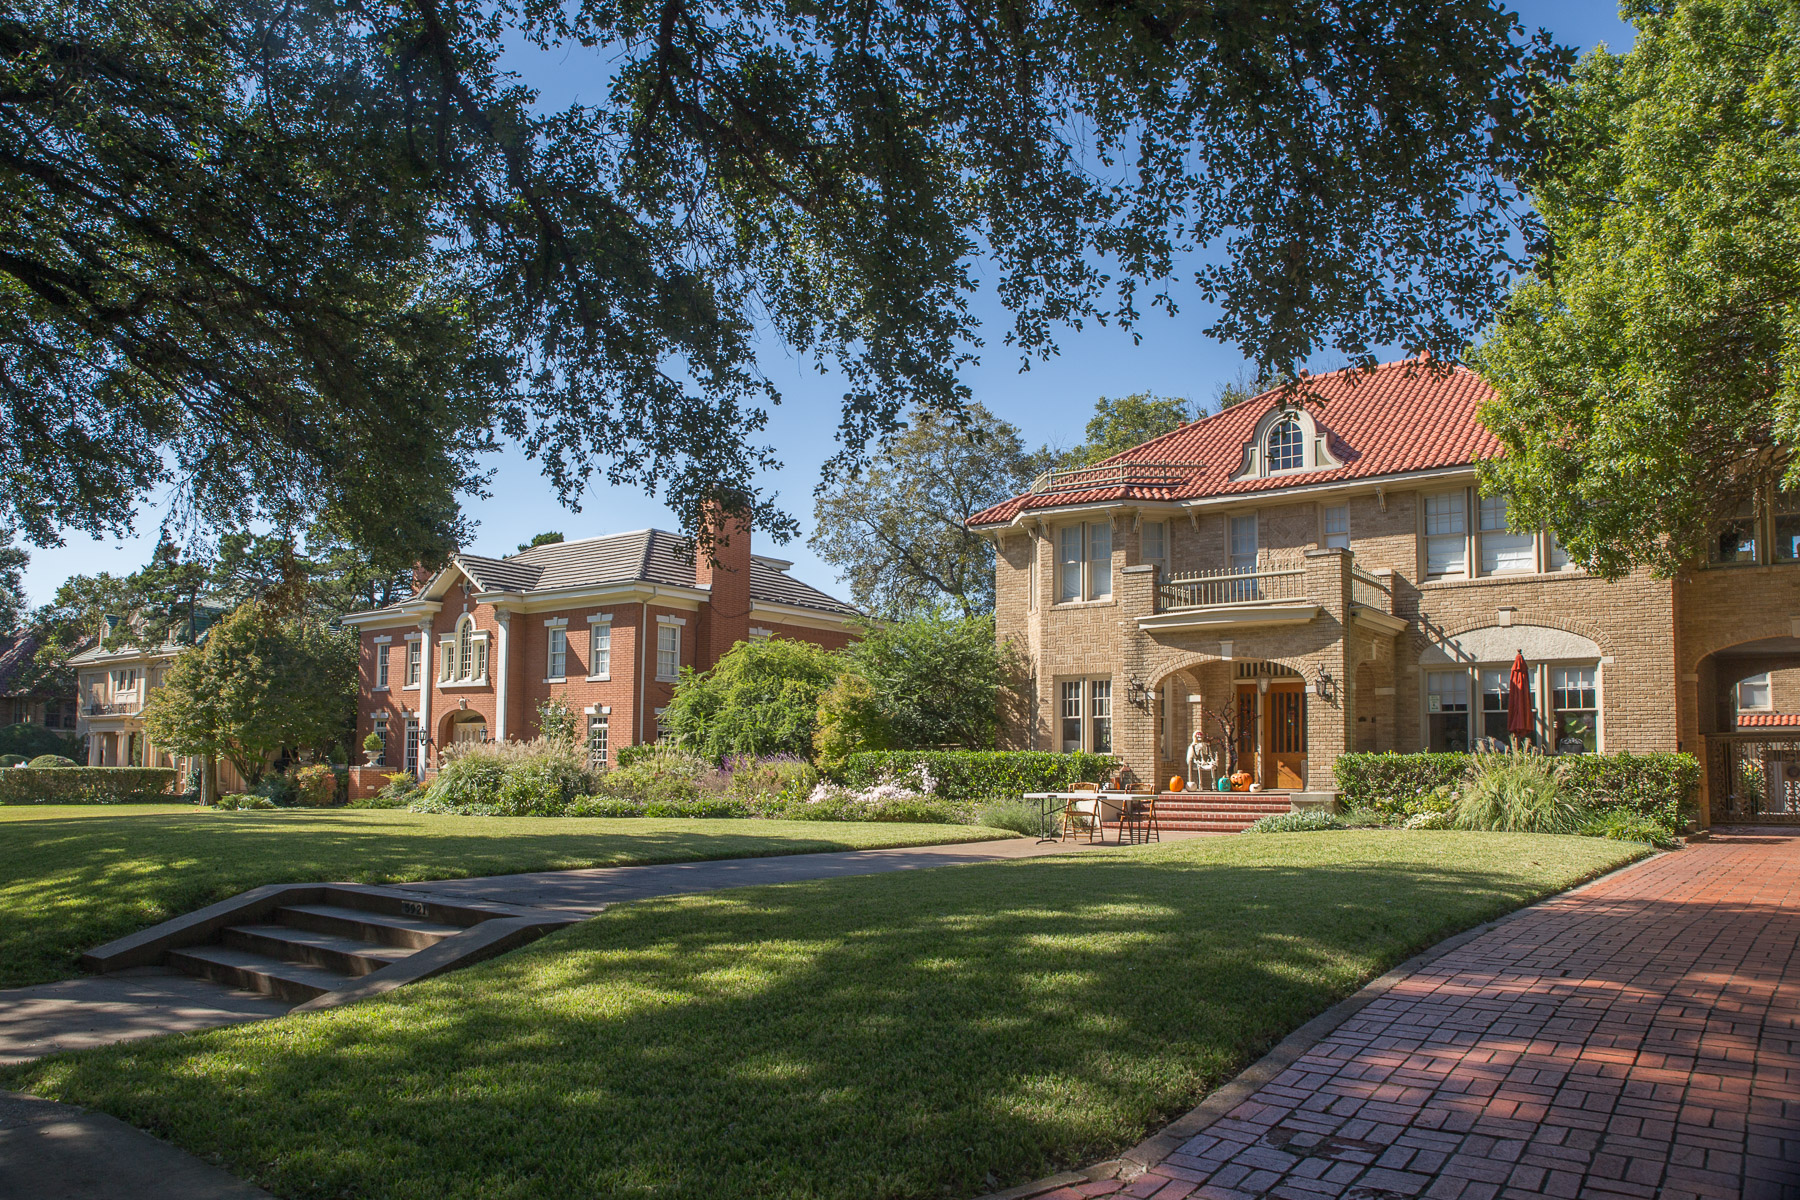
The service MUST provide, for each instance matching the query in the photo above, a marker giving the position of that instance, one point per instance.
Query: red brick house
(604, 624)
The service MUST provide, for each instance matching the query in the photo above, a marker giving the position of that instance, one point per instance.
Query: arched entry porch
(1749, 714)
(463, 727)
(1250, 715)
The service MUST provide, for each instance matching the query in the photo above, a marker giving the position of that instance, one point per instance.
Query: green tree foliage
(762, 698)
(309, 257)
(543, 539)
(898, 529)
(1648, 370)
(851, 721)
(1118, 425)
(257, 684)
(936, 680)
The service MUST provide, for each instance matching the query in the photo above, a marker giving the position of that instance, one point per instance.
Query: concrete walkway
(58, 1152)
(1636, 1038)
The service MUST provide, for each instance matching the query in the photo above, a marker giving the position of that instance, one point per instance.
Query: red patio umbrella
(1518, 701)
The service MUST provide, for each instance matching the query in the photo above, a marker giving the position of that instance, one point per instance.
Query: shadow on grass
(907, 1035)
(69, 884)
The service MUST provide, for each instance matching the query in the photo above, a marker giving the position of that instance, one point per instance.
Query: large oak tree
(314, 256)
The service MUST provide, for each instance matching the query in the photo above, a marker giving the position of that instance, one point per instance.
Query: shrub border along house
(1660, 787)
(87, 785)
(981, 776)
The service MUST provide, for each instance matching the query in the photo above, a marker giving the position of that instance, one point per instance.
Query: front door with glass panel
(1284, 733)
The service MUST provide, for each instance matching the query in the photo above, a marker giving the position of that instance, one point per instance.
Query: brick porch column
(1134, 727)
(1330, 719)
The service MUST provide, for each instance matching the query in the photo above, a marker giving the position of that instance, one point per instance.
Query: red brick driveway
(1638, 1038)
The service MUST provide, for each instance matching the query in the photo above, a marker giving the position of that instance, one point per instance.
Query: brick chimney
(725, 620)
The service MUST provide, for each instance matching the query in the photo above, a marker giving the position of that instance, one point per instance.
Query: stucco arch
(1432, 637)
(1498, 643)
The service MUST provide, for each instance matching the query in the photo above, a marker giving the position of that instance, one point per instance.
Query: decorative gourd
(1240, 782)
(1177, 784)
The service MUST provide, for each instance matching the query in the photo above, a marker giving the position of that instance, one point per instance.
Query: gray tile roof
(646, 555)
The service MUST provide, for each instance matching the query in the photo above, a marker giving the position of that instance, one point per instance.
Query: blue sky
(1051, 402)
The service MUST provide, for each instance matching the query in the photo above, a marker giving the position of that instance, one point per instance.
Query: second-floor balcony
(112, 708)
(1274, 594)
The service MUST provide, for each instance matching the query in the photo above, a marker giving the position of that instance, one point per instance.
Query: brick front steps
(1213, 812)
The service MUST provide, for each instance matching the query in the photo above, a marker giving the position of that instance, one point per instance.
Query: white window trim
(1086, 717)
(384, 640)
(1086, 582)
(556, 622)
(665, 619)
(1769, 686)
(559, 625)
(594, 622)
(676, 624)
(759, 634)
(1543, 703)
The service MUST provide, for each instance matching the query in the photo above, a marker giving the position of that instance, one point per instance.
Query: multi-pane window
(1100, 711)
(1447, 709)
(125, 680)
(1084, 562)
(1446, 534)
(596, 741)
(1156, 543)
(381, 731)
(1736, 542)
(1575, 710)
(1753, 693)
(1243, 543)
(465, 648)
(1287, 446)
(668, 651)
(1503, 549)
(381, 666)
(412, 743)
(664, 735)
(1786, 528)
(1496, 688)
(1337, 526)
(559, 653)
(1555, 557)
(600, 649)
(414, 653)
(1071, 715)
(1099, 584)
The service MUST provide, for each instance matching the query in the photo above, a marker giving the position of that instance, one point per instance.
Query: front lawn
(75, 876)
(920, 1034)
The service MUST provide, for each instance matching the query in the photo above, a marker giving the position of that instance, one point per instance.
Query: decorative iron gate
(1753, 778)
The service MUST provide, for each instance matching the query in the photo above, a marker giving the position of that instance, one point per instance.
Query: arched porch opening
(1246, 715)
(462, 728)
(1749, 714)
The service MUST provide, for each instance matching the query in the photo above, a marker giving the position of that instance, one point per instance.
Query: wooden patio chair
(1083, 814)
(1137, 818)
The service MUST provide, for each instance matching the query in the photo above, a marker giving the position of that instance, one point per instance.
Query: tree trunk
(209, 781)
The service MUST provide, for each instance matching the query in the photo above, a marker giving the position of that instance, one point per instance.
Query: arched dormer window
(1287, 446)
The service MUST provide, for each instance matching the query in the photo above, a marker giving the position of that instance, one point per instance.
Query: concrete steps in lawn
(324, 944)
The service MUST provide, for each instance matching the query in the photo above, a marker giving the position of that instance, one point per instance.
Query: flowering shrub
(1310, 820)
(907, 798)
(514, 779)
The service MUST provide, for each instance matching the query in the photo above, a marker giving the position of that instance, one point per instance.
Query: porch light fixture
(1324, 686)
(1138, 694)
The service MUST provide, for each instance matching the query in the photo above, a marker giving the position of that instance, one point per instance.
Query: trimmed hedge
(87, 785)
(981, 776)
(1658, 786)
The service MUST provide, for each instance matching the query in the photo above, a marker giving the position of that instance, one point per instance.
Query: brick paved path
(1639, 1038)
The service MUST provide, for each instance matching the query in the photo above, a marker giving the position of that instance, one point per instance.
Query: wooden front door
(1284, 733)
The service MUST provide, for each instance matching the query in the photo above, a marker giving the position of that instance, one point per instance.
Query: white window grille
(1287, 446)
(596, 741)
(559, 654)
(1099, 560)
(381, 666)
(600, 650)
(1337, 527)
(1068, 566)
(1575, 709)
(1071, 716)
(668, 651)
(414, 658)
(1446, 534)
(412, 743)
(1753, 693)
(1243, 543)
(1503, 550)
(1100, 707)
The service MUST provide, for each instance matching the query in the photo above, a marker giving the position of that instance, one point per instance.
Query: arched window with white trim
(465, 647)
(1287, 446)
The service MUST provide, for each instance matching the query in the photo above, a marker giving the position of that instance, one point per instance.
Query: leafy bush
(243, 801)
(975, 777)
(1311, 820)
(761, 698)
(515, 779)
(606, 806)
(33, 741)
(316, 785)
(933, 680)
(1394, 783)
(13, 760)
(1625, 824)
(1445, 819)
(280, 789)
(381, 799)
(769, 783)
(630, 756)
(46, 762)
(1016, 815)
(87, 785)
(850, 722)
(1518, 791)
(374, 747)
(667, 777)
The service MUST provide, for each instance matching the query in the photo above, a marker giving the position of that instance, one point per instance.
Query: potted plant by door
(375, 747)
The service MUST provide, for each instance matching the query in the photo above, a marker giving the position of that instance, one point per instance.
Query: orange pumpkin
(1177, 784)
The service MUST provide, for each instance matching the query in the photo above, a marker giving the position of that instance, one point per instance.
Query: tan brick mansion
(1329, 577)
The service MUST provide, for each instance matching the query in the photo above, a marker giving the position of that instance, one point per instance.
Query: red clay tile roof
(1767, 720)
(1399, 417)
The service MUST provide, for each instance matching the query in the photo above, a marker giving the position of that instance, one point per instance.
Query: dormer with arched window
(1286, 441)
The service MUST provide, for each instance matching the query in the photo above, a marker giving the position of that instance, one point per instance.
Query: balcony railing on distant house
(1133, 474)
(1234, 585)
(129, 708)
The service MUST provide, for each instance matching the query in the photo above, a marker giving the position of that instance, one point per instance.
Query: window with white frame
(596, 741)
(1085, 715)
(600, 650)
(1446, 534)
(1287, 446)
(381, 731)
(1575, 710)
(381, 666)
(465, 647)
(412, 742)
(1156, 544)
(1243, 543)
(1337, 526)
(463, 655)
(1555, 557)
(1753, 694)
(414, 659)
(559, 654)
(1447, 710)
(1031, 571)
(664, 735)
(1503, 549)
(125, 679)
(668, 651)
(1084, 561)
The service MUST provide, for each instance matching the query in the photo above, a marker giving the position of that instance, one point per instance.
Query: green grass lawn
(75, 876)
(903, 1035)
